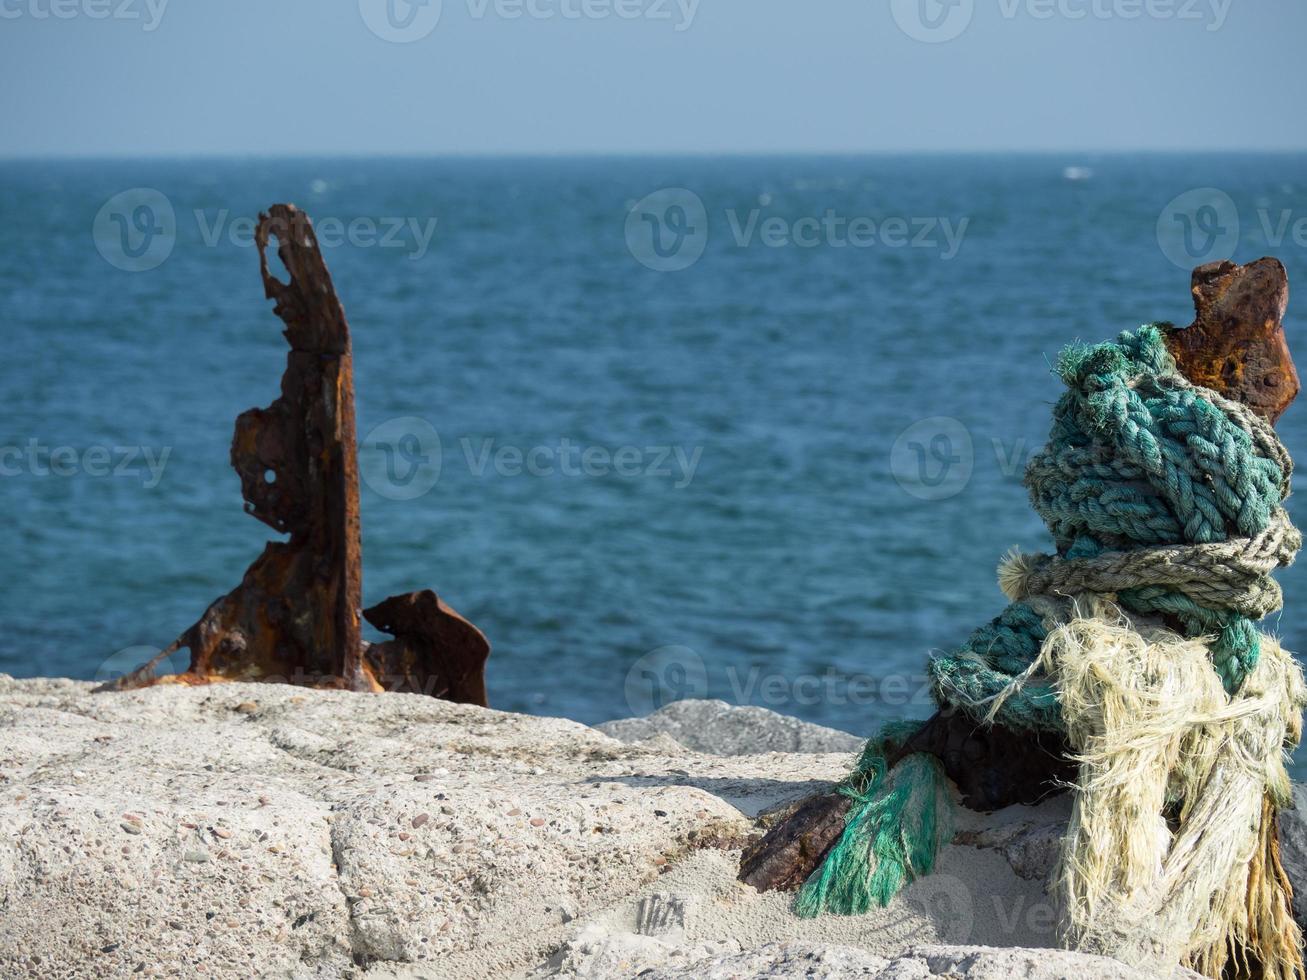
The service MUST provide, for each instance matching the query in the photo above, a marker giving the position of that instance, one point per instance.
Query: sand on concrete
(261, 830)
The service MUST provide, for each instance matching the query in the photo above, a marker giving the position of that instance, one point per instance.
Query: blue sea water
(777, 472)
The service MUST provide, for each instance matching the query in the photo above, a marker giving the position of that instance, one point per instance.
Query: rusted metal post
(295, 617)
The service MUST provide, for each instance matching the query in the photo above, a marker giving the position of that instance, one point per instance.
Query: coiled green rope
(1161, 494)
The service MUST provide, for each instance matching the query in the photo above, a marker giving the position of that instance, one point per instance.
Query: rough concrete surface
(261, 830)
(718, 728)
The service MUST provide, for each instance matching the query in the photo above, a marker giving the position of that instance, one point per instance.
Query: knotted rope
(1164, 502)
(1156, 491)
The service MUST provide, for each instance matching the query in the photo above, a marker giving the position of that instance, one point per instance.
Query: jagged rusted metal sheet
(1236, 343)
(435, 651)
(1235, 346)
(295, 616)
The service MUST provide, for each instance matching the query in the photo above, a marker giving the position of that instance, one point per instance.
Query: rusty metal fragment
(792, 850)
(991, 766)
(295, 616)
(435, 651)
(1235, 346)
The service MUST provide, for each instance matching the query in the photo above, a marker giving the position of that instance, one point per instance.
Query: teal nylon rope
(1136, 457)
(1161, 493)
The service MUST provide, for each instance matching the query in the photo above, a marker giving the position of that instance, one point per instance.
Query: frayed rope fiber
(1138, 642)
(899, 820)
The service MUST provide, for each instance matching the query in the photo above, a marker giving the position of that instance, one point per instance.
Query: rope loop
(1164, 497)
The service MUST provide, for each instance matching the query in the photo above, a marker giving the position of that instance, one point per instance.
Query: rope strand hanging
(1138, 642)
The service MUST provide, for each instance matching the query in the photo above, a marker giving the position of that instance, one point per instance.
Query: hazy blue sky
(128, 77)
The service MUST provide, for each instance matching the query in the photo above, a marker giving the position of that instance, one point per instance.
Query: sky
(367, 77)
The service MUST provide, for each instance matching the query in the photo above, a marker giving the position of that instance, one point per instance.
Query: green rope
(898, 822)
(1138, 459)
(1160, 493)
